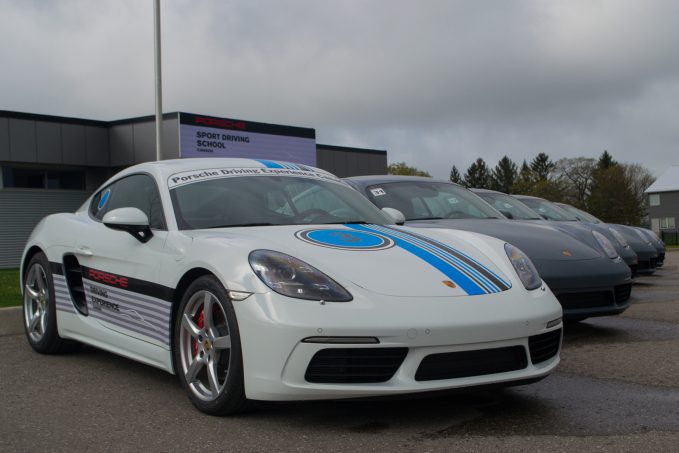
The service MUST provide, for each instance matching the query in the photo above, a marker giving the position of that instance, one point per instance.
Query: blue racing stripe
(479, 278)
(461, 279)
(269, 163)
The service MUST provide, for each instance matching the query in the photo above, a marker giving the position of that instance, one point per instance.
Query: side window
(136, 191)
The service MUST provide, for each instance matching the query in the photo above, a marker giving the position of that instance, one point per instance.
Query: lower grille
(586, 300)
(451, 365)
(622, 293)
(544, 346)
(354, 365)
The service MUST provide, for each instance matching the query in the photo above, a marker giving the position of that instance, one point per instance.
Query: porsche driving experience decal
(470, 275)
(124, 302)
(270, 168)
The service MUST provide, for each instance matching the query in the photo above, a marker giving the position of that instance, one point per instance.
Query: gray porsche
(585, 281)
(645, 235)
(647, 255)
(515, 209)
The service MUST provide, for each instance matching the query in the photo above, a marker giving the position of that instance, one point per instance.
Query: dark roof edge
(320, 146)
(51, 118)
(143, 119)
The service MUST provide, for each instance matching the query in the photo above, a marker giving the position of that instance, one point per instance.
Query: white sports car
(262, 280)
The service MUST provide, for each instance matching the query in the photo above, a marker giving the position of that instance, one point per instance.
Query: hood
(539, 242)
(389, 260)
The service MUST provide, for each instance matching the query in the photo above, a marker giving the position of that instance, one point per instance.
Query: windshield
(509, 206)
(580, 214)
(270, 200)
(549, 210)
(424, 200)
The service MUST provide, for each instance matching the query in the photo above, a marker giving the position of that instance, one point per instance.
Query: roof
(667, 182)
(368, 180)
(164, 169)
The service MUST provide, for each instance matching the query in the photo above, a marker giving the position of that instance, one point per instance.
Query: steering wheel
(307, 214)
(454, 215)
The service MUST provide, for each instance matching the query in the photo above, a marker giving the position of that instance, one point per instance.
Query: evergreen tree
(477, 175)
(542, 166)
(605, 161)
(455, 176)
(504, 175)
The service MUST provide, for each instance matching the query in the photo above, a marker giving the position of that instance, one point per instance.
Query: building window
(654, 199)
(36, 178)
(667, 223)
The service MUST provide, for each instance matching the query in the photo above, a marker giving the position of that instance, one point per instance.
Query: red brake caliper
(201, 324)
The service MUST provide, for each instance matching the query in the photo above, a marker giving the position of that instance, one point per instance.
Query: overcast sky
(436, 83)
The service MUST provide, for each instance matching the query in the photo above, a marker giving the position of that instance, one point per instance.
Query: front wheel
(207, 349)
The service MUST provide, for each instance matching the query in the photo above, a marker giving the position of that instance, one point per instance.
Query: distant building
(51, 164)
(663, 202)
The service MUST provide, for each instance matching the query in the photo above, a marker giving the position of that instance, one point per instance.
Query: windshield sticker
(508, 206)
(377, 192)
(189, 177)
(104, 199)
(453, 200)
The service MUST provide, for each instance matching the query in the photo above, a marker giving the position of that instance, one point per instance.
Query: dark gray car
(645, 235)
(586, 282)
(647, 256)
(514, 209)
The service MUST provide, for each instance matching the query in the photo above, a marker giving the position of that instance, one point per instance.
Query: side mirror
(396, 215)
(507, 214)
(132, 220)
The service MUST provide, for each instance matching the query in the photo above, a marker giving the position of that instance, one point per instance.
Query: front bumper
(276, 359)
(587, 288)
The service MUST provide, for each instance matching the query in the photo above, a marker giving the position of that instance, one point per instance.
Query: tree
(401, 168)
(612, 198)
(504, 175)
(639, 179)
(477, 175)
(606, 161)
(542, 166)
(455, 176)
(576, 173)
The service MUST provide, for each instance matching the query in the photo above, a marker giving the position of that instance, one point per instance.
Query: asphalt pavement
(617, 389)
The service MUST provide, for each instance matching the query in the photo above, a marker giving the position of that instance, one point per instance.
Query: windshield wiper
(425, 218)
(346, 222)
(233, 225)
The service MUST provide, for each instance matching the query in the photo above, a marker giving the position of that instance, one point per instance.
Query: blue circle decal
(345, 239)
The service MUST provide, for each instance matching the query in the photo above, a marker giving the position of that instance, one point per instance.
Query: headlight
(643, 237)
(619, 237)
(291, 277)
(524, 267)
(605, 244)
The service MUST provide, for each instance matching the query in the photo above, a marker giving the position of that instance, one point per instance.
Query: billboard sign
(207, 136)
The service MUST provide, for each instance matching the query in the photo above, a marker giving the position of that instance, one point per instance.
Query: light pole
(159, 81)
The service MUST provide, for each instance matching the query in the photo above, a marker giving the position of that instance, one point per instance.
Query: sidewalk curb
(11, 322)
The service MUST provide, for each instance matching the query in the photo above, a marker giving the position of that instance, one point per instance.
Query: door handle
(82, 250)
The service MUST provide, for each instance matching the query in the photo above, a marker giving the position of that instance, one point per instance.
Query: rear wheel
(207, 349)
(40, 312)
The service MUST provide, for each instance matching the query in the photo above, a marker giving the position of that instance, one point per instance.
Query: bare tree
(577, 174)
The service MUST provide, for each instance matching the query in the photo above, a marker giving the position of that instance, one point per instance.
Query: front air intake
(354, 365)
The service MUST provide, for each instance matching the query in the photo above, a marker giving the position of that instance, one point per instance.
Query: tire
(40, 310)
(207, 349)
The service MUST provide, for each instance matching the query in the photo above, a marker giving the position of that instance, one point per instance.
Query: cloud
(436, 83)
